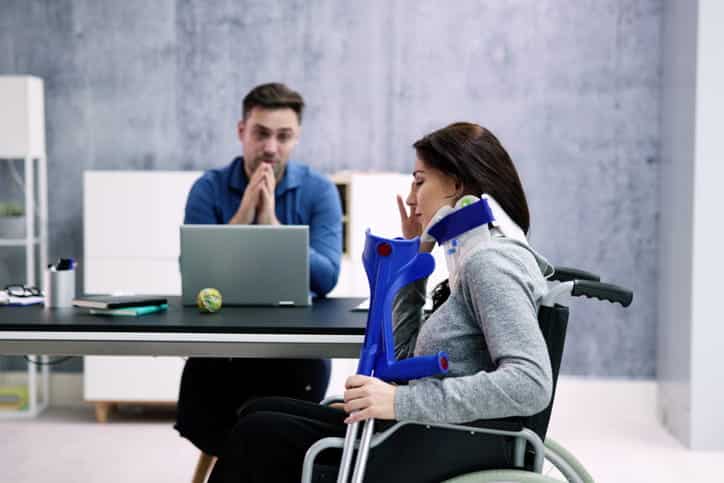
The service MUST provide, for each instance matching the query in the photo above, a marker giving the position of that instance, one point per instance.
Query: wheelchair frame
(574, 283)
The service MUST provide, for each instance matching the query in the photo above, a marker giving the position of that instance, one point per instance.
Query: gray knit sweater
(499, 363)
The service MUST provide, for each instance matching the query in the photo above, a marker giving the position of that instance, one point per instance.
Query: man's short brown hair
(273, 96)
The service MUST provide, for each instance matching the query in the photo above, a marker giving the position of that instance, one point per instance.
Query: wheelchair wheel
(503, 476)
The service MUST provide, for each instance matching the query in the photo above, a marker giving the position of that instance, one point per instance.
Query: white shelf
(22, 137)
(17, 242)
(22, 119)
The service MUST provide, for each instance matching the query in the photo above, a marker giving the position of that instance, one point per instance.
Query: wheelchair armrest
(503, 424)
(509, 427)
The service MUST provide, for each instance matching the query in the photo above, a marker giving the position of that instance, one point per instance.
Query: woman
(486, 322)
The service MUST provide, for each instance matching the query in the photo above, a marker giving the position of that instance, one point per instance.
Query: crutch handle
(414, 368)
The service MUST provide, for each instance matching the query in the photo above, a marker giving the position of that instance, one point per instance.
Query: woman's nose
(411, 197)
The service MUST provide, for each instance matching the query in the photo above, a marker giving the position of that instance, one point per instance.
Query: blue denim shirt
(302, 197)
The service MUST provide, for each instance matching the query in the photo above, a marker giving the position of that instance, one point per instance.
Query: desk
(329, 328)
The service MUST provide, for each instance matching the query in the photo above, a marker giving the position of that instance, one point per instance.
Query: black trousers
(214, 390)
(273, 434)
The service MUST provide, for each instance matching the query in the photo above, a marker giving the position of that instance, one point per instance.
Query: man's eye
(283, 138)
(418, 183)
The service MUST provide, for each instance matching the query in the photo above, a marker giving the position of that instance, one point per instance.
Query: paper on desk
(9, 300)
(362, 307)
(365, 306)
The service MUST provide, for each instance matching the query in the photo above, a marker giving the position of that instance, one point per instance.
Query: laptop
(248, 264)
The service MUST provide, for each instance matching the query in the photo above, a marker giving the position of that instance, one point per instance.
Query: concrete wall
(571, 88)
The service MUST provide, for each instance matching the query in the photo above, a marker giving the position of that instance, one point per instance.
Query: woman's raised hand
(410, 225)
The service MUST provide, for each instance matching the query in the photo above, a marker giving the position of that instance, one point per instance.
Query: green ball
(209, 300)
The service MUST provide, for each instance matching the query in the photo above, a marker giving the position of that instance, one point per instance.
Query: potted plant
(12, 220)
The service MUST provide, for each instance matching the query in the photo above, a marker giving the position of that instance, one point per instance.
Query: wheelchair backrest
(553, 322)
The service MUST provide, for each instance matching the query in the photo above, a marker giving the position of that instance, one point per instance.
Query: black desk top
(325, 316)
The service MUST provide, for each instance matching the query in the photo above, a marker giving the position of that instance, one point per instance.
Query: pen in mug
(63, 264)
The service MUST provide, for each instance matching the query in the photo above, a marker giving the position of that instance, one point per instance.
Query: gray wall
(570, 87)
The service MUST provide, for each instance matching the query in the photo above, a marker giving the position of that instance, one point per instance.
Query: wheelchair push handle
(602, 291)
(568, 274)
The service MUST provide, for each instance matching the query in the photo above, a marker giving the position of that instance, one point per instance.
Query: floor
(609, 425)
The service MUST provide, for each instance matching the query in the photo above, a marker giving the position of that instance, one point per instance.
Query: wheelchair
(527, 434)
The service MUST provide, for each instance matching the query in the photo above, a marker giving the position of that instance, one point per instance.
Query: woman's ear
(455, 187)
(459, 189)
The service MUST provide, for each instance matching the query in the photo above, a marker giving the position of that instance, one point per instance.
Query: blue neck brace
(461, 220)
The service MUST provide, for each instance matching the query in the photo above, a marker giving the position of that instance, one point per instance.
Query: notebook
(131, 311)
(117, 301)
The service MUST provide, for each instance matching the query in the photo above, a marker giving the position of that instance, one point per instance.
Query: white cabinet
(131, 236)
(131, 240)
(131, 230)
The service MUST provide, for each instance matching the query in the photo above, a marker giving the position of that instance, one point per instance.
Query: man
(261, 187)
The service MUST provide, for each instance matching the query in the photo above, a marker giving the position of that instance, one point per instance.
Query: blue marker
(64, 264)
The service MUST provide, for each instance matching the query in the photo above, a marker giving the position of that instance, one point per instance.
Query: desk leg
(103, 410)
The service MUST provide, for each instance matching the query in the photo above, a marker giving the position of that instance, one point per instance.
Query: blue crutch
(390, 265)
